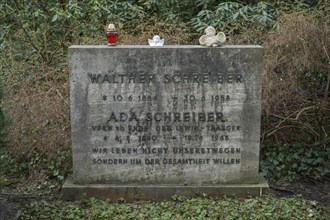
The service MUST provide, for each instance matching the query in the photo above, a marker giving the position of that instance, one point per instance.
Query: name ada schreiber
(167, 117)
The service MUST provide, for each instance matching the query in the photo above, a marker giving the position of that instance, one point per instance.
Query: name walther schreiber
(218, 78)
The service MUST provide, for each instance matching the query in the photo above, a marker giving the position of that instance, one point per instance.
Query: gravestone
(151, 122)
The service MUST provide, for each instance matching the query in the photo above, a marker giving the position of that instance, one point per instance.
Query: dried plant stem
(324, 46)
(326, 92)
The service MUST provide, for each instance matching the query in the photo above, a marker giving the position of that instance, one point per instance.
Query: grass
(205, 207)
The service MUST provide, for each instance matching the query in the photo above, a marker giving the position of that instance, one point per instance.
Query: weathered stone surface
(157, 192)
(175, 115)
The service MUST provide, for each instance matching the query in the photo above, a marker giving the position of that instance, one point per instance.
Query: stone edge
(115, 192)
(164, 47)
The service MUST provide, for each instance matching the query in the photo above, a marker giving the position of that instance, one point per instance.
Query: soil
(309, 190)
(11, 203)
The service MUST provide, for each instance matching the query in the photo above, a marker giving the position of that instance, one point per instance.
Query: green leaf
(235, 15)
(54, 18)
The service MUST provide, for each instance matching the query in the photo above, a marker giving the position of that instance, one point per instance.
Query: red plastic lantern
(112, 35)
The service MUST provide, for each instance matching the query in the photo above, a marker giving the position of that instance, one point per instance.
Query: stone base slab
(71, 191)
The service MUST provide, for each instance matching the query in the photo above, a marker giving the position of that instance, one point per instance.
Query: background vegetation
(34, 36)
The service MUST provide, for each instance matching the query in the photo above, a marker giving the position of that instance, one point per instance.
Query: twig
(289, 116)
(58, 92)
(276, 129)
(282, 190)
(326, 91)
(304, 109)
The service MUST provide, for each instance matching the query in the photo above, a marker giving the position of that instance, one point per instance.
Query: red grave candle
(112, 35)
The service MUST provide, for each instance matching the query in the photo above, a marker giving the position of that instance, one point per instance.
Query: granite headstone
(150, 122)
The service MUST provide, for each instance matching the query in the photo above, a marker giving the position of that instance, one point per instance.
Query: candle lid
(111, 27)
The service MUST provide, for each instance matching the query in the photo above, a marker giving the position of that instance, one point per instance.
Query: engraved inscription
(167, 115)
(188, 125)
